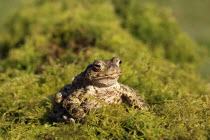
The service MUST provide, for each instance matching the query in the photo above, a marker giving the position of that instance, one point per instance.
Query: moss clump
(48, 42)
(157, 28)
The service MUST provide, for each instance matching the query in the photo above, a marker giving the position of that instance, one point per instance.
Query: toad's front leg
(72, 105)
(131, 97)
(63, 93)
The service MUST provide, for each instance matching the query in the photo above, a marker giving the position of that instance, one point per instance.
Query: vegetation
(48, 42)
(192, 17)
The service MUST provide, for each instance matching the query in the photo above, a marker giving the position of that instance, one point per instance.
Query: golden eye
(97, 66)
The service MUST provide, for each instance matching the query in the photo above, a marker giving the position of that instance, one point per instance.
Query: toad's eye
(120, 62)
(97, 67)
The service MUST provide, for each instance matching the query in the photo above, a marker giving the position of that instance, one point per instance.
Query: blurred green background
(191, 15)
(8, 7)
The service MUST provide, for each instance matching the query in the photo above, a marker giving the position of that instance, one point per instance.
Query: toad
(97, 86)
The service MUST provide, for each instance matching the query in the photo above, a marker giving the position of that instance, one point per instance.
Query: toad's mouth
(104, 81)
(115, 76)
(99, 75)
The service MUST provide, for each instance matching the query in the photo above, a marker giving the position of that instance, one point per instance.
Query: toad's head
(104, 73)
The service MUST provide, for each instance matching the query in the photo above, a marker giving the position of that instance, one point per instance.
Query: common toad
(95, 87)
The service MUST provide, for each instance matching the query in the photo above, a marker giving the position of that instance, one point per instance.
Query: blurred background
(191, 15)
(193, 18)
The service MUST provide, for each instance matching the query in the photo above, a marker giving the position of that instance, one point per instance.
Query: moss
(49, 42)
(157, 27)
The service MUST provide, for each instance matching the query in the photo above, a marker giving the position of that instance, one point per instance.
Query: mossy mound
(48, 42)
(157, 28)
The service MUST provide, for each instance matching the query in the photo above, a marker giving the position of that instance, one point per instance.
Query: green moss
(157, 27)
(50, 42)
